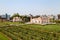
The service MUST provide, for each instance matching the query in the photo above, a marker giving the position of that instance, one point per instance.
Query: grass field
(3, 37)
(30, 31)
(52, 28)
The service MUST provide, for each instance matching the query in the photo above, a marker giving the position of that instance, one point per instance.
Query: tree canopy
(16, 15)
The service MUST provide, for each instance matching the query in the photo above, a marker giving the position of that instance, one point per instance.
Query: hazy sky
(35, 7)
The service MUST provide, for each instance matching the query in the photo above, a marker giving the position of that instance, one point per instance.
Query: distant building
(4, 18)
(16, 19)
(40, 20)
(58, 16)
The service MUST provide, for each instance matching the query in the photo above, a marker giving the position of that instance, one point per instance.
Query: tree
(26, 18)
(16, 15)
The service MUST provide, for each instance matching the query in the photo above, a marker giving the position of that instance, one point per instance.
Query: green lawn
(3, 37)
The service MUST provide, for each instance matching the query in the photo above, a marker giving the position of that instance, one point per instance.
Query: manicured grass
(3, 37)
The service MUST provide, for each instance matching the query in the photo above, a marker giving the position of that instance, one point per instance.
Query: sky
(26, 7)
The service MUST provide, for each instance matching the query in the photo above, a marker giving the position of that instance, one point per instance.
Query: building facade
(40, 20)
(16, 19)
(58, 16)
(3, 19)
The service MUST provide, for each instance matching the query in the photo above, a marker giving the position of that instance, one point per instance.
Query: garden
(30, 31)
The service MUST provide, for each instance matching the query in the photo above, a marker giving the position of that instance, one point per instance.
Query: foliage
(32, 32)
(15, 15)
(26, 18)
(3, 37)
(57, 21)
